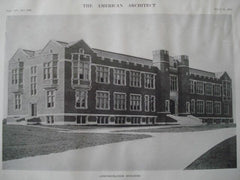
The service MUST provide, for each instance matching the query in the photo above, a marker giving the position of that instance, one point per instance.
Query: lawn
(24, 141)
(182, 128)
(223, 155)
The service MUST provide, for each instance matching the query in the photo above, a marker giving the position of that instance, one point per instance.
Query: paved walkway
(164, 151)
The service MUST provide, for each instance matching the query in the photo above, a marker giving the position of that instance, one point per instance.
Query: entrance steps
(188, 120)
(16, 120)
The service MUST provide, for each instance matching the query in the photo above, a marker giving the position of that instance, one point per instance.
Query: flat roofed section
(201, 72)
(123, 57)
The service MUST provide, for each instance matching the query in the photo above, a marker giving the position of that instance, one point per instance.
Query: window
(209, 107)
(135, 79)
(55, 57)
(208, 89)
(192, 86)
(17, 74)
(81, 99)
(119, 101)
(192, 106)
(135, 102)
(199, 87)
(18, 101)
(80, 70)
(14, 76)
(187, 107)
(33, 80)
(152, 103)
(217, 107)
(102, 74)
(50, 119)
(173, 83)
(149, 81)
(102, 119)
(119, 77)
(226, 109)
(167, 105)
(120, 120)
(226, 89)
(50, 98)
(50, 70)
(200, 106)
(102, 100)
(217, 90)
(81, 119)
(146, 103)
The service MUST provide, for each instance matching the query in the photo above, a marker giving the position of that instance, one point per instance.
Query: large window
(80, 70)
(81, 99)
(50, 98)
(192, 108)
(18, 101)
(102, 100)
(149, 80)
(209, 107)
(102, 74)
(173, 83)
(200, 106)
(217, 90)
(146, 103)
(17, 74)
(208, 89)
(135, 79)
(192, 86)
(135, 102)
(33, 80)
(226, 89)
(217, 107)
(119, 77)
(50, 70)
(199, 87)
(14, 76)
(152, 103)
(119, 101)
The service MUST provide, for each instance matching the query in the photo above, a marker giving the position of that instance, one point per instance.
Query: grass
(25, 141)
(183, 128)
(223, 155)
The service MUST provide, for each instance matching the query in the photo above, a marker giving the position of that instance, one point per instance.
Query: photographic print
(119, 92)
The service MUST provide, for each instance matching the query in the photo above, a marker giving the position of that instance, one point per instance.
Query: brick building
(72, 83)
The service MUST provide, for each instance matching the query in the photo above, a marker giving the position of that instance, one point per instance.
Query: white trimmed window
(192, 106)
(14, 76)
(135, 102)
(33, 80)
(226, 89)
(135, 79)
(50, 70)
(167, 105)
(18, 101)
(119, 77)
(199, 87)
(80, 70)
(152, 104)
(81, 99)
(209, 107)
(146, 103)
(217, 90)
(50, 119)
(119, 101)
(192, 86)
(149, 81)
(102, 100)
(173, 83)
(50, 98)
(208, 89)
(200, 106)
(102, 74)
(217, 107)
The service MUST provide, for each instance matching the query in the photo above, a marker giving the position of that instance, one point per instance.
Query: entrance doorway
(172, 107)
(33, 109)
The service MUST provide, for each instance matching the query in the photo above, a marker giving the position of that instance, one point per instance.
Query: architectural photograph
(83, 89)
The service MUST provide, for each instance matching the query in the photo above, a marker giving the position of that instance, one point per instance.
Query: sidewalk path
(164, 151)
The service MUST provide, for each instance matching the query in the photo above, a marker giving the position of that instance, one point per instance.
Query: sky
(206, 39)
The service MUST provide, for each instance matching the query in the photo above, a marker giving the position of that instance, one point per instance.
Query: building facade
(72, 83)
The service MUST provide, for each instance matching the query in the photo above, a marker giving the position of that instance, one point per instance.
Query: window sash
(119, 101)
(135, 102)
(81, 99)
(102, 74)
(135, 79)
(102, 100)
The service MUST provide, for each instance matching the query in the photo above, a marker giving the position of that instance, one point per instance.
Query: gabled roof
(202, 72)
(64, 44)
(29, 52)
